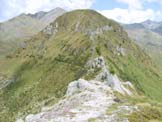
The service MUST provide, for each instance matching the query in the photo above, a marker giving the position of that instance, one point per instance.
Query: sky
(123, 11)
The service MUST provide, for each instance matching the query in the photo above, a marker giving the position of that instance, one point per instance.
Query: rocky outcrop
(89, 100)
(120, 51)
(5, 81)
(50, 29)
(95, 63)
(114, 82)
(99, 30)
(84, 100)
(111, 80)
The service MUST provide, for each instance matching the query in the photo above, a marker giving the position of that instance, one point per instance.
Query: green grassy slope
(50, 61)
(41, 80)
(148, 40)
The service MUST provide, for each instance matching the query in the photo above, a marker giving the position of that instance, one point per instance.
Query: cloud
(133, 4)
(138, 4)
(157, 1)
(11, 8)
(33, 6)
(135, 12)
(132, 16)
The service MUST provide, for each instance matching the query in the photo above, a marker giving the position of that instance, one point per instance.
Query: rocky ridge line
(86, 100)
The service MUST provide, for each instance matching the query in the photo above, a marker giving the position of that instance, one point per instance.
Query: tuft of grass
(146, 114)
(92, 120)
(98, 50)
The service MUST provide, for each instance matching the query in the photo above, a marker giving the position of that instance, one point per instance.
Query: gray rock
(95, 63)
(5, 81)
(92, 101)
(110, 79)
(121, 51)
(99, 30)
(48, 30)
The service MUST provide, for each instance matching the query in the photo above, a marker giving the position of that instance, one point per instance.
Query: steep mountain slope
(48, 17)
(24, 27)
(71, 48)
(148, 38)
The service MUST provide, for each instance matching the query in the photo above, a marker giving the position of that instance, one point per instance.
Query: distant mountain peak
(41, 14)
(148, 21)
(37, 15)
(57, 8)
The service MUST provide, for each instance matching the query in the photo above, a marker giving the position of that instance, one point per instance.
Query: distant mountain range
(148, 24)
(148, 35)
(23, 27)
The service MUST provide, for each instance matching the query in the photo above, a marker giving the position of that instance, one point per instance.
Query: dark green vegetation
(49, 61)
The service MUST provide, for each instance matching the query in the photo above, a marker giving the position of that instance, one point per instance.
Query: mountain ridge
(73, 55)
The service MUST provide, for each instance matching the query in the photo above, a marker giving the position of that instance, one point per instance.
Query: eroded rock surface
(84, 100)
(111, 80)
(89, 100)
